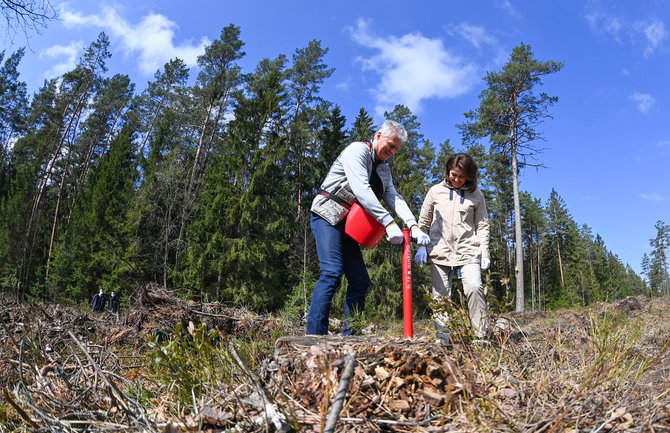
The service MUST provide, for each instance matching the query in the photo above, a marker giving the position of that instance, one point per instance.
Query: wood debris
(68, 371)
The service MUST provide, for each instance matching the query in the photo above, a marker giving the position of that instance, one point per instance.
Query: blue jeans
(338, 254)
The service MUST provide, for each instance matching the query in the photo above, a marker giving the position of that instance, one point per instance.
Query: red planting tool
(407, 283)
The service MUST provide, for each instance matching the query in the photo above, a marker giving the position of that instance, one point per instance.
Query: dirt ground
(599, 369)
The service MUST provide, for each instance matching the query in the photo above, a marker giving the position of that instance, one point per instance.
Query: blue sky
(606, 150)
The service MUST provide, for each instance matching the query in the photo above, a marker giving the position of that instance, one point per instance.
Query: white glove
(421, 256)
(420, 236)
(485, 263)
(394, 234)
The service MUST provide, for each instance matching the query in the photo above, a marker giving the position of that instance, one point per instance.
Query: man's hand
(485, 263)
(394, 234)
(421, 256)
(420, 236)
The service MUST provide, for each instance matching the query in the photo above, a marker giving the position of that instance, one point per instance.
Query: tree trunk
(519, 240)
(55, 220)
(532, 276)
(539, 278)
(560, 260)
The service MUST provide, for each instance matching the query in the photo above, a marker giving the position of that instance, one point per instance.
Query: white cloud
(644, 101)
(651, 34)
(652, 197)
(654, 33)
(151, 40)
(607, 24)
(69, 53)
(476, 35)
(412, 68)
(510, 9)
(344, 84)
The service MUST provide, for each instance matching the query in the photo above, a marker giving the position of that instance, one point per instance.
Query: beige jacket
(458, 225)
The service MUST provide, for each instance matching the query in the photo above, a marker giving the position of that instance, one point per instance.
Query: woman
(455, 217)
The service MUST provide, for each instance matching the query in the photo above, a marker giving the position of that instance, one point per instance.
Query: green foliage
(508, 115)
(91, 254)
(13, 111)
(614, 339)
(657, 264)
(206, 188)
(191, 362)
(363, 128)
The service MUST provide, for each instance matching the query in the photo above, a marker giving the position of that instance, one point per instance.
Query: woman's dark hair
(465, 163)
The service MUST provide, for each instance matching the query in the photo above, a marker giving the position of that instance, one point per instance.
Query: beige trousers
(472, 287)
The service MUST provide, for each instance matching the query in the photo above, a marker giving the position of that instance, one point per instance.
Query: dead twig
(343, 386)
(270, 409)
(19, 409)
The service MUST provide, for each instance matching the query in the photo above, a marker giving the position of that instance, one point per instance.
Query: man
(359, 174)
(99, 301)
(113, 303)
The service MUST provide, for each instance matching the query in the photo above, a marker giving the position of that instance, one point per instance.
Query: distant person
(113, 303)
(99, 301)
(454, 214)
(360, 174)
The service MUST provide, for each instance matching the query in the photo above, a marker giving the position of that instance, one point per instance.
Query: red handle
(407, 283)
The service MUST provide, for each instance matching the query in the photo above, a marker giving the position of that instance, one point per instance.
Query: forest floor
(166, 365)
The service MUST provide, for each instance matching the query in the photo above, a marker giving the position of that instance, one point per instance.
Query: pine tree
(42, 163)
(160, 99)
(304, 80)
(534, 229)
(495, 181)
(509, 114)
(20, 258)
(13, 112)
(77, 87)
(646, 271)
(218, 79)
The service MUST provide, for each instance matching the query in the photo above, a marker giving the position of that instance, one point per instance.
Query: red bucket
(362, 227)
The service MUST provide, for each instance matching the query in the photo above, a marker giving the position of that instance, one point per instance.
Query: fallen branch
(343, 386)
(19, 409)
(270, 409)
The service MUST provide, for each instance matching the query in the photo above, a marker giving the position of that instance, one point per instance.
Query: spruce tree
(241, 223)
(93, 253)
(534, 229)
(363, 128)
(410, 166)
(162, 115)
(659, 279)
(218, 79)
(559, 223)
(438, 171)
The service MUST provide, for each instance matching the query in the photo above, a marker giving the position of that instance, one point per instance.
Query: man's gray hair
(391, 126)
